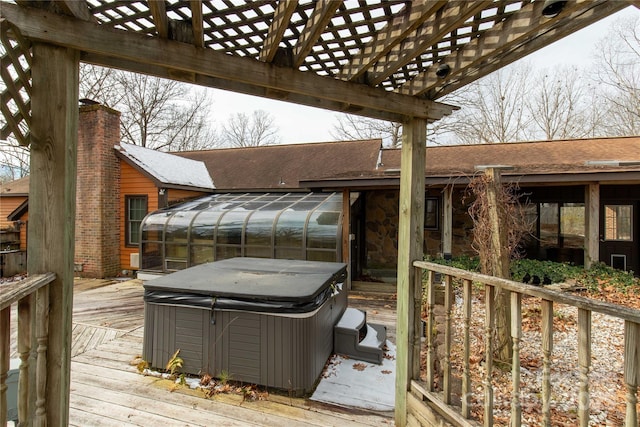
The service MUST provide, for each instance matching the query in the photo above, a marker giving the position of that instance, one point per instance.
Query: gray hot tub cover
(253, 284)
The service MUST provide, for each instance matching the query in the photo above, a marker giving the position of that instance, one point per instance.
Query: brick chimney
(97, 250)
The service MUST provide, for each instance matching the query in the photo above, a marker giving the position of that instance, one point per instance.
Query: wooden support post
(410, 241)
(499, 261)
(447, 222)
(52, 203)
(592, 225)
(499, 243)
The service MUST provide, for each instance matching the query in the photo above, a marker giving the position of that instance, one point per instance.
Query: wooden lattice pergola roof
(373, 58)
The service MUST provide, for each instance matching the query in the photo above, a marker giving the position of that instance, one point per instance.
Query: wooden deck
(107, 390)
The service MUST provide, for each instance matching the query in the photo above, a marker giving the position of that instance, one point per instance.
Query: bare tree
(493, 109)
(155, 113)
(557, 105)
(617, 71)
(352, 127)
(242, 130)
(14, 160)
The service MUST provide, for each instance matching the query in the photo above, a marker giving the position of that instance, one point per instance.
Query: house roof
(19, 187)
(167, 169)
(19, 211)
(283, 166)
(541, 161)
(527, 157)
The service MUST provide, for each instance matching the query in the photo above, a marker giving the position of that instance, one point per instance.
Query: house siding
(7, 205)
(133, 183)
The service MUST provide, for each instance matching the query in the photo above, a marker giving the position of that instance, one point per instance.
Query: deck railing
(424, 390)
(32, 298)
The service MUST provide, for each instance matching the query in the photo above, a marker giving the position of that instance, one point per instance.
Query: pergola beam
(281, 18)
(159, 14)
(188, 60)
(427, 35)
(322, 14)
(239, 87)
(197, 22)
(523, 33)
(76, 8)
(406, 22)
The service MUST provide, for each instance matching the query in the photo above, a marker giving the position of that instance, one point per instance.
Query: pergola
(389, 60)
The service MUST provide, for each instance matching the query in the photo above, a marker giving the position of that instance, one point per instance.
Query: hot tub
(260, 321)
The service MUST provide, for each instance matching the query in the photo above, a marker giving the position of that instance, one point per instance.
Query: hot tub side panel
(284, 352)
(171, 328)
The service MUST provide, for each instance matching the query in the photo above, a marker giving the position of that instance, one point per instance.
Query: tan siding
(8, 205)
(23, 231)
(133, 183)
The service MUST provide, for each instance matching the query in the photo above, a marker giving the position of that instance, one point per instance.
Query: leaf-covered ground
(606, 386)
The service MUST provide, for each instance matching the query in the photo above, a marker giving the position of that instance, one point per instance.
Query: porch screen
(306, 226)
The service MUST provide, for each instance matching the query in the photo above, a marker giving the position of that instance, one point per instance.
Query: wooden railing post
(584, 362)
(489, 326)
(24, 349)
(631, 370)
(5, 335)
(547, 348)
(448, 304)
(42, 338)
(431, 352)
(466, 367)
(516, 336)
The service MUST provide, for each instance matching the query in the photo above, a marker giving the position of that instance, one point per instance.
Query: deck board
(107, 390)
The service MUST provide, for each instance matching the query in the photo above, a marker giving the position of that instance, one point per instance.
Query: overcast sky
(300, 124)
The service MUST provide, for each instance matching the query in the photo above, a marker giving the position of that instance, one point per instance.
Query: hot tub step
(355, 338)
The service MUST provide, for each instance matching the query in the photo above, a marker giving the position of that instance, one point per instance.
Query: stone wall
(97, 193)
(381, 228)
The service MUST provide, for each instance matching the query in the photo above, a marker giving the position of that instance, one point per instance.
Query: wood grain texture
(52, 204)
(592, 224)
(410, 241)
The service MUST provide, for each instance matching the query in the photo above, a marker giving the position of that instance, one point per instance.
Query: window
(618, 222)
(431, 213)
(136, 209)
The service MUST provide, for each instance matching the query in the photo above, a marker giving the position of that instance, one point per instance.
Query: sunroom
(301, 226)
